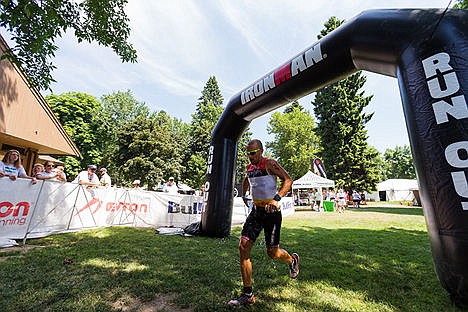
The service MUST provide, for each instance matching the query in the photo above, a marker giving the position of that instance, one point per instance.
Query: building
(27, 123)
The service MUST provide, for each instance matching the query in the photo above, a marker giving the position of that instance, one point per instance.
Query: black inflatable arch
(427, 50)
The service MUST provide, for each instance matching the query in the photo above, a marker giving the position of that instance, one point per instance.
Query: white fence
(48, 207)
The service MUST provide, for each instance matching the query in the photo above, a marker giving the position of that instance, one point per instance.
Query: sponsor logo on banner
(444, 87)
(13, 214)
(112, 206)
(299, 64)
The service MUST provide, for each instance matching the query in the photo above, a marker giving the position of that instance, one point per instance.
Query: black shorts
(259, 220)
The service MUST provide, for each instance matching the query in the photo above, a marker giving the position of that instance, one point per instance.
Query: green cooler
(328, 205)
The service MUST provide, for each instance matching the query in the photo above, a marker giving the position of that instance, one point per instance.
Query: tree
(241, 157)
(34, 25)
(208, 111)
(118, 109)
(78, 113)
(341, 127)
(461, 4)
(147, 150)
(295, 142)
(399, 163)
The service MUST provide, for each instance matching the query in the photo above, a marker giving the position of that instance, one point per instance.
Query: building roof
(26, 120)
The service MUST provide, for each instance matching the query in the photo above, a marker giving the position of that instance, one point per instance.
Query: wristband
(277, 197)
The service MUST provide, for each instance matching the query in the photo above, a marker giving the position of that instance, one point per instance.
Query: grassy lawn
(371, 259)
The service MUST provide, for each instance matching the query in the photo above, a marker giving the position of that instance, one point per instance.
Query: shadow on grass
(412, 211)
(388, 270)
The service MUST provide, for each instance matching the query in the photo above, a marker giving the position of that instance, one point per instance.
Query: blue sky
(181, 43)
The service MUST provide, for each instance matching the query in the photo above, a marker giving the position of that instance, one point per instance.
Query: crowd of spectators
(11, 167)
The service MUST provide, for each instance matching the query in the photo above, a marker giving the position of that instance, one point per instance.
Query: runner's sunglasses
(252, 152)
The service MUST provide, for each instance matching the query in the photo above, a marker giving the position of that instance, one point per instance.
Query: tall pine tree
(209, 109)
(348, 158)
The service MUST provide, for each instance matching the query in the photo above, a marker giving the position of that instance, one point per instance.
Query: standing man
(105, 178)
(261, 182)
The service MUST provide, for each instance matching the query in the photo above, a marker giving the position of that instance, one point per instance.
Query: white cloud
(181, 43)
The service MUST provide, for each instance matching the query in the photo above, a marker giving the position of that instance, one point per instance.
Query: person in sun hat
(136, 183)
(105, 178)
(88, 177)
(171, 187)
(261, 183)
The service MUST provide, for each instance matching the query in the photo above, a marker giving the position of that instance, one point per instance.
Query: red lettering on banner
(13, 221)
(13, 209)
(121, 205)
(24, 205)
(111, 206)
(283, 74)
(9, 209)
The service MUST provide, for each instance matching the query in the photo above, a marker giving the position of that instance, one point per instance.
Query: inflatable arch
(427, 51)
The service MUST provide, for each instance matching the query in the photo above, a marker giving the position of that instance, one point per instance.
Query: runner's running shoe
(243, 300)
(294, 267)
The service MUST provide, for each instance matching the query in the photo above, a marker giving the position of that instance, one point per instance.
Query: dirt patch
(22, 249)
(162, 303)
(19, 250)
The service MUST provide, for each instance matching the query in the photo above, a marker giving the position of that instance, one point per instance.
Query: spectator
(331, 197)
(311, 196)
(61, 176)
(11, 167)
(136, 184)
(88, 177)
(318, 199)
(48, 173)
(171, 187)
(341, 200)
(363, 198)
(356, 199)
(105, 178)
(37, 168)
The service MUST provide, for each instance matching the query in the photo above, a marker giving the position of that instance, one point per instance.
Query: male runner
(261, 182)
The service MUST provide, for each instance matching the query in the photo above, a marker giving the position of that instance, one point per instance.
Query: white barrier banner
(47, 207)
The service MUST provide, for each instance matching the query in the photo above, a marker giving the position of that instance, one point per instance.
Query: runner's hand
(271, 206)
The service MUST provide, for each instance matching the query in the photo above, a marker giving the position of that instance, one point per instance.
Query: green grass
(371, 259)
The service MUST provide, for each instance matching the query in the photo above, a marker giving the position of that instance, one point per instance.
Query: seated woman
(11, 167)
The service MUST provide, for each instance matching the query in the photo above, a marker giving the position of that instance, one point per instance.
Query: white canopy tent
(310, 180)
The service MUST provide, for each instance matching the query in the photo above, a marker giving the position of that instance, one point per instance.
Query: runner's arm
(286, 182)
